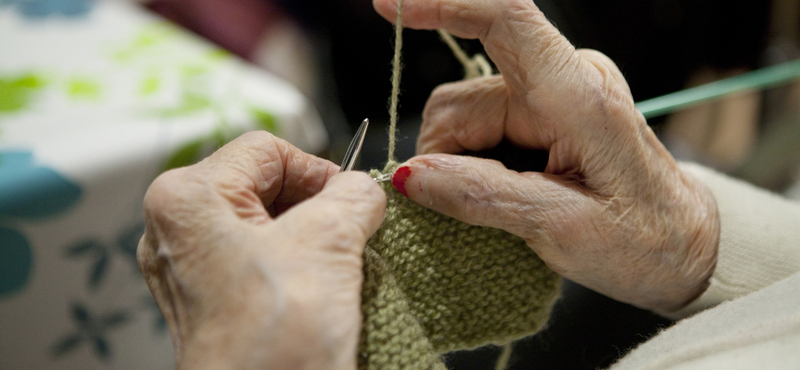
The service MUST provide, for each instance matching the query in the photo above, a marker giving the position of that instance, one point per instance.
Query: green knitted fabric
(434, 284)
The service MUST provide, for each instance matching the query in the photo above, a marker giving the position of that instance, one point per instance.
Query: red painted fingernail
(399, 179)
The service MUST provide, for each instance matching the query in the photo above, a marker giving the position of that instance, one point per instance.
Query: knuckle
(248, 146)
(466, 135)
(436, 108)
(476, 196)
(511, 11)
(171, 201)
(608, 93)
(164, 190)
(259, 136)
(596, 56)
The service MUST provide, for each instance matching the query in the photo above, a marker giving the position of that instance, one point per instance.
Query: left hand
(612, 211)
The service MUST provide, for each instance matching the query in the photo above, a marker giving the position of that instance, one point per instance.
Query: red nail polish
(399, 179)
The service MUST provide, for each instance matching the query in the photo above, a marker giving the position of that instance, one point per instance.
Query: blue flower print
(29, 191)
(38, 9)
(91, 329)
(100, 252)
(16, 260)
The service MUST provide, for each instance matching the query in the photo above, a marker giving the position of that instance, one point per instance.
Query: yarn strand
(396, 70)
(477, 66)
(504, 357)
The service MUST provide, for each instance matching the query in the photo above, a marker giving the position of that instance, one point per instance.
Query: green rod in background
(759, 79)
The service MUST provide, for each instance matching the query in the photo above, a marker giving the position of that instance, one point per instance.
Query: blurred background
(338, 54)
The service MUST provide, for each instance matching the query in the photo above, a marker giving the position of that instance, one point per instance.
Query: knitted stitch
(433, 284)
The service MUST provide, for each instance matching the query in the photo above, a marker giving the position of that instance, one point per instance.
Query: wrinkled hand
(611, 211)
(254, 257)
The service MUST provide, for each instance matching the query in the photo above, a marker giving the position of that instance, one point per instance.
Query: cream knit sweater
(750, 315)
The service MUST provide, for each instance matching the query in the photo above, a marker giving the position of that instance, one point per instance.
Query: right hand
(254, 256)
(612, 210)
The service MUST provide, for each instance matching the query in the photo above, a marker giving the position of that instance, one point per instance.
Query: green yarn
(433, 284)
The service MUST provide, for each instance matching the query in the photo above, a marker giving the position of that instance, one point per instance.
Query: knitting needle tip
(384, 177)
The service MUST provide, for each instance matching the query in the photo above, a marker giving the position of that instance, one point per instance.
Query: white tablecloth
(97, 98)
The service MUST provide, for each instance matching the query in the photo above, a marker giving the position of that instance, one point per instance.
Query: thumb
(343, 216)
(483, 192)
(527, 49)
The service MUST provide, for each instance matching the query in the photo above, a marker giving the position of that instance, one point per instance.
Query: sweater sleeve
(759, 239)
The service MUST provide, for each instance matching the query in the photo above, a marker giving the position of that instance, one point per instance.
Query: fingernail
(399, 179)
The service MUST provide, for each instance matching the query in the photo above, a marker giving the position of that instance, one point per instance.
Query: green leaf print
(219, 54)
(150, 85)
(186, 155)
(190, 103)
(83, 88)
(146, 40)
(264, 120)
(18, 92)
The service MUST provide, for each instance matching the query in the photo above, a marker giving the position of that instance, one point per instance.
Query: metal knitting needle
(384, 177)
(354, 150)
(355, 147)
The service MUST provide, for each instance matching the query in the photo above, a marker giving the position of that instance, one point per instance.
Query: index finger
(515, 33)
(241, 179)
(270, 167)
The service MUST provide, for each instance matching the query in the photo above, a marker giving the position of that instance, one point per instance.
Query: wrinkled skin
(254, 257)
(612, 210)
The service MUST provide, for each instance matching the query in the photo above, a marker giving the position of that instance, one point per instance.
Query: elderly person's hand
(254, 257)
(611, 211)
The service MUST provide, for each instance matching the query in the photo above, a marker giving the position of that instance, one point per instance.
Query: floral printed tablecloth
(97, 98)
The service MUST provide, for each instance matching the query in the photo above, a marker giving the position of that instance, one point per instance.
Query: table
(96, 99)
